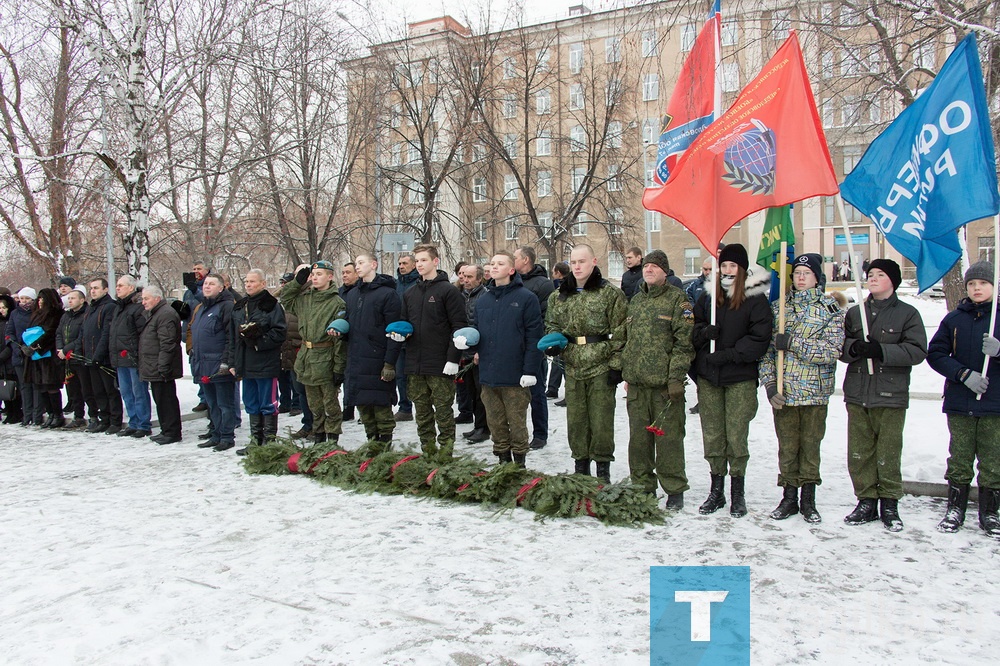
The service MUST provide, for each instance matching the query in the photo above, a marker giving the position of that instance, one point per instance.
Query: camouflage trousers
(726, 412)
(433, 400)
(652, 456)
(590, 418)
(972, 438)
(377, 419)
(507, 417)
(874, 449)
(324, 403)
(800, 431)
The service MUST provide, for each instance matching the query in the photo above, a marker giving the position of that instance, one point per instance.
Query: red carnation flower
(206, 379)
(124, 354)
(69, 354)
(656, 431)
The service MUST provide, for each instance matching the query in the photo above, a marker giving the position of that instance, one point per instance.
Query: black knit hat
(890, 268)
(658, 257)
(68, 281)
(981, 270)
(735, 253)
(812, 261)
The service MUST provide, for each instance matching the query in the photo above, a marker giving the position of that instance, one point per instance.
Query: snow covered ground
(125, 552)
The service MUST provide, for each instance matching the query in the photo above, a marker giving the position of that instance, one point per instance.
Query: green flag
(777, 228)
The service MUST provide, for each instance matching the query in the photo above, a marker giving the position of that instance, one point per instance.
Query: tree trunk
(954, 286)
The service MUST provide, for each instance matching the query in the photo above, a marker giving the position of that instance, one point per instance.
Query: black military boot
(989, 501)
(519, 460)
(737, 500)
(582, 466)
(675, 502)
(865, 512)
(505, 457)
(256, 429)
(789, 505)
(889, 513)
(716, 496)
(269, 428)
(319, 437)
(807, 505)
(604, 471)
(385, 439)
(954, 515)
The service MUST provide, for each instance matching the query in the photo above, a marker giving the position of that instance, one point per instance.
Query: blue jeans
(539, 405)
(221, 400)
(260, 396)
(135, 394)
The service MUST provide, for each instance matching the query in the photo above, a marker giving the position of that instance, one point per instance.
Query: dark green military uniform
(593, 319)
(507, 409)
(321, 356)
(434, 397)
(658, 352)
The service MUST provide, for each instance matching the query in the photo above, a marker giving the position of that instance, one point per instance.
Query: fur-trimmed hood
(758, 281)
(568, 286)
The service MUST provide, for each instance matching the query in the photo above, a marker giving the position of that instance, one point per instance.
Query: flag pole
(713, 290)
(782, 259)
(996, 278)
(856, 273)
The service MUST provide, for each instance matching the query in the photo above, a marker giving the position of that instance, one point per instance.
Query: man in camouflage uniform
(322, 358)
(655, 362)
(591, 313)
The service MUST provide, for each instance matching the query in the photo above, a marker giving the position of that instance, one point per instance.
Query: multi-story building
(546, 134)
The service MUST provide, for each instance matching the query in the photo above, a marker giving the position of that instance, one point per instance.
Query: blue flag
(933, 169)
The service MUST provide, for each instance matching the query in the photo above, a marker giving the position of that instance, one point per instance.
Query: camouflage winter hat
(658, 257)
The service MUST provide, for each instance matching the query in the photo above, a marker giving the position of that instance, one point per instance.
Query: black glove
(722, 357)
(338, 379)
(711, 332)
(189, 281)
(552, 351)
(782, 341)
(869, 349)
(614, 377)
(26, 350)
(250, 330)
(303, 275)
(182, 309)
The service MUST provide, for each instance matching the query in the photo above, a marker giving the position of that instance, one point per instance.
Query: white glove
(451, 368)
(396, 337)
(991, 346)
(527, 381)
(461, 342)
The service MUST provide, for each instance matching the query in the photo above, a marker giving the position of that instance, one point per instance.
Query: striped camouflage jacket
(815, 323)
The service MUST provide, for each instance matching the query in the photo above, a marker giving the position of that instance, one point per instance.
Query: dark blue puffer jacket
(371, 306)
(18, 322)
(210, 338)
(509, 321)
(957, 346)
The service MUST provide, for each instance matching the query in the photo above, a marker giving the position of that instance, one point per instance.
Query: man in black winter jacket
(69, 346)
(97, 377)
(123, 351)
(536, 280)
(632, 278)
(436, 310)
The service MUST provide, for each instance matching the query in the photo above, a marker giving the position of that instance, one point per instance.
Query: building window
(545, 222)
(576, 96)
(827, 112)
(781, 23)
(577, 176)
(509, 71)
(875, 110)
(415, 194)
(652, 221)
(614, 182)
(580, 226)
(478, 151)
(613, 49)
(874, 60)
(577, 139)
(576, 58)
(689, 33)
(510, 145)
(479, 190)
(828, 64)
(612, 92)
(479, 228)
(543, 102)
(394, 114)
(848, 64)
(730, 33)
(616, 218)
(650, 87)
(615, 134)
(544, 184)
(850, 110)
(543, 60)
(509, 106)
(987, 249)
(925, 56)
(649, 126)
(649, 48)
(397, 194)
(509, 187)
(543, 144)
(692, 261)
(852, 155)
(510, 228)
(616, 263)
(730, 77)
(413, 153)
(396, 154)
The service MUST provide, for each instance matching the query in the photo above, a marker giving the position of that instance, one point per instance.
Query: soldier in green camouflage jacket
(655, 361)
(591, 313)
(812, 342)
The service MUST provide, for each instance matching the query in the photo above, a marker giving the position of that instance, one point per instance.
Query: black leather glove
(338, 379)
(250, 330)
(303, 275)
(869, 349)
(26, 350)
(614, 377)
(712, 332)
(782, 341)
(722, 357)
(182, 309)
(552, 351)
(189, 281)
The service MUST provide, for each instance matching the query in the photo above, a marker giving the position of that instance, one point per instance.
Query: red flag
(767, 150)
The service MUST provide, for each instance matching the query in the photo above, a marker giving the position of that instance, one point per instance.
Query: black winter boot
(385, 439)
(256, 430)
(865, 512)
(505, 457)
(319, 437)
(789, 505)
(737, 500)
(989, 501)
(807, 505)
(519, 460)
(604, 471)
(889, 513)
(716, 496)
(675, 502)
(269, 428)
(582, 466)
(954, 515)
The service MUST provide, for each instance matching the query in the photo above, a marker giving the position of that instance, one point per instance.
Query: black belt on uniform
(588, 339)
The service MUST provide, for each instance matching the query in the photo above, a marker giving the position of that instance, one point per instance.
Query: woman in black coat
(47, 374)
(11, 408)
